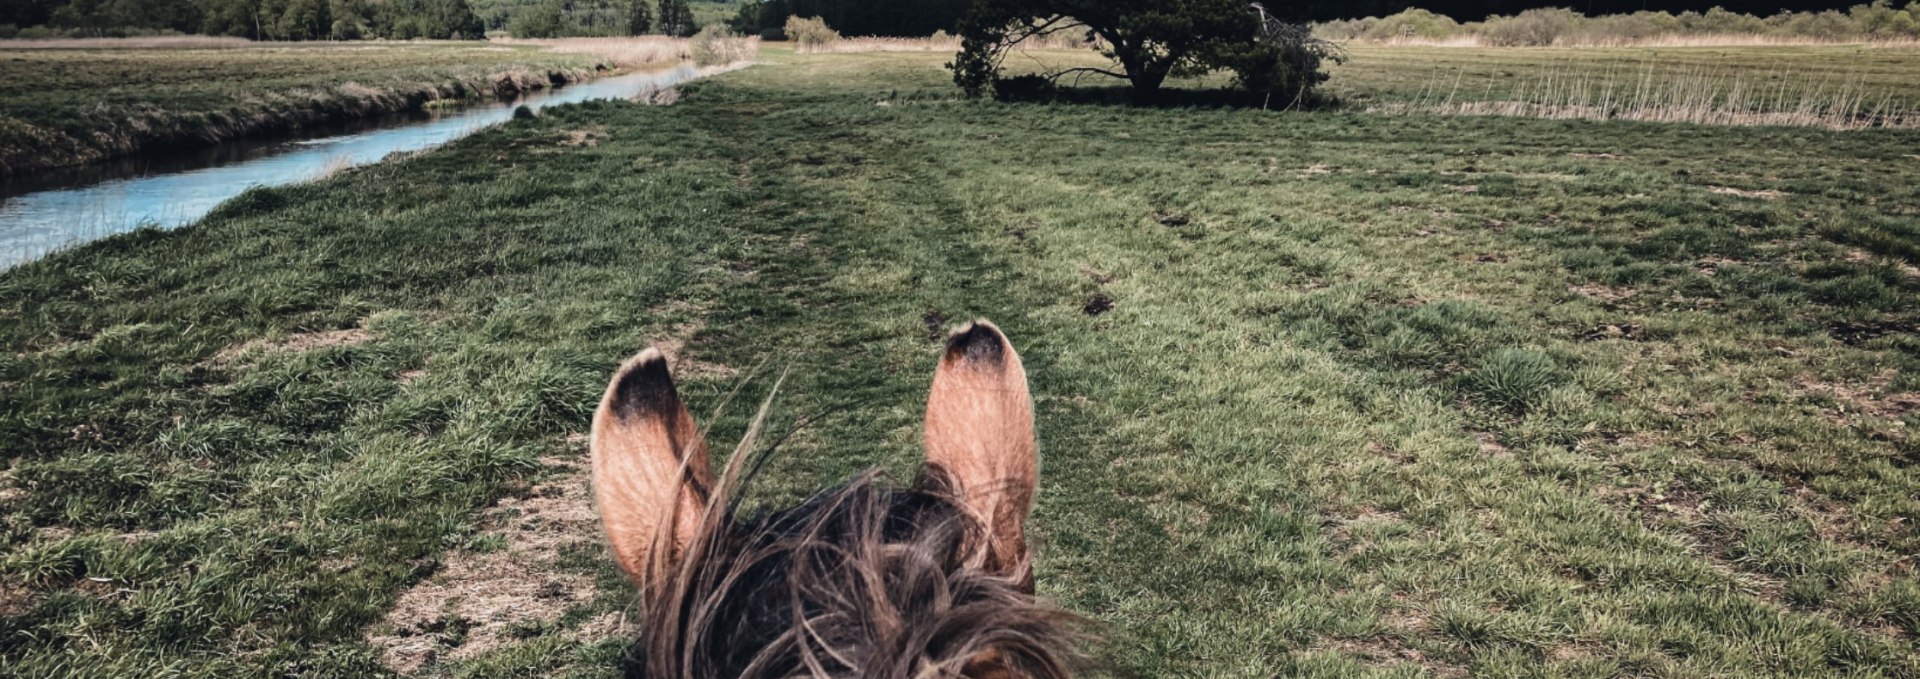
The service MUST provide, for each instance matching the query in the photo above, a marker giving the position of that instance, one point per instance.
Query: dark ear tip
(977, 342)
(644, 385)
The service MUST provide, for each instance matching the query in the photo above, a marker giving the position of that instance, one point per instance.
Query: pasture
(1326, 393)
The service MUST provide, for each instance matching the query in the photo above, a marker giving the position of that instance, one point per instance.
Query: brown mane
(860, 581)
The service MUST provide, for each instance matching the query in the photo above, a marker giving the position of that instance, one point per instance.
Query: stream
(47, 211)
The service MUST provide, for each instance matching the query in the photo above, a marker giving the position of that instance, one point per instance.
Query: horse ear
(980, 434)
(651, 477)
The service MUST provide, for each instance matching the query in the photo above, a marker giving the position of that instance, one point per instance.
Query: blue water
(44, 213)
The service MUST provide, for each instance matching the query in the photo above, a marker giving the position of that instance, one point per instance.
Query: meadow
(67, 103)
(1323, 393)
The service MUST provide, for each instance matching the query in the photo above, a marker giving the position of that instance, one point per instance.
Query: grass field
(78, 104)
(1328, 394)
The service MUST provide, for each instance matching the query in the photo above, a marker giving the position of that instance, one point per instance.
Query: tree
(676, 18)
(1147, 40)
(305, 20)
(545, 20)
(639, 18)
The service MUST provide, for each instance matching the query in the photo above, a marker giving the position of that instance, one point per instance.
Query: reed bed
(622, 52)
(936, 43)
(1664, 40)
(1704, 96)
(147, 42)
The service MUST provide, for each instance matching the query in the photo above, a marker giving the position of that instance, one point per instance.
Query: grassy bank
(1319, 394)
(80, 103)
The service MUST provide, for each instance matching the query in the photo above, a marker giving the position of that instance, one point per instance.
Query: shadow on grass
(1038, 89)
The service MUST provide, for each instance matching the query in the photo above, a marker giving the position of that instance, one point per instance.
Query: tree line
(594, 18)
(1881, 20)
(913, 18)
(255, 19)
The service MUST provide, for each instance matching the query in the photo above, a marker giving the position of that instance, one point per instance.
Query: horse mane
(858, 581)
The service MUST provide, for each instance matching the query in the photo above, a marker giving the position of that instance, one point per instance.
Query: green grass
(63, 107)
(1376, 395)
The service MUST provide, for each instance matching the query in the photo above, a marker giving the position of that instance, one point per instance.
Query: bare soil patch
(1761, 194)
(587, 136)
(1860, 332)
(1604, 293)
(676, 345)
(15, 601)
(1100, 303)
(297, 342)
(1608, 331)
(1874, 397)
(478, 599)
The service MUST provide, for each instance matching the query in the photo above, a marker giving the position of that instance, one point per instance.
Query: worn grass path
(1319, 394)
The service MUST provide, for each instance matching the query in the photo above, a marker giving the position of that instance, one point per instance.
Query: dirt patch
(1171, 218)
(1709, 266)
(1316, 169)
(297, 342)
(1100, 303)
(1856, 333)
(1384, 651)
(1858, 256)
(1340, 530)
(478, 600)
(1604, 293)
(586, 136)
(1610, 331)
(684, 361)
(1598, 156)
(1491, 446)
(1874, 397)
(1761, 194)
(16, 601)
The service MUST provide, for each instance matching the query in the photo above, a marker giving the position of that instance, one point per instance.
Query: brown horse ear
(980, 433)
(651, 477)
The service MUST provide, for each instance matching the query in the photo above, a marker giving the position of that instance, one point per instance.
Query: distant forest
(406, 19)
(255, 19)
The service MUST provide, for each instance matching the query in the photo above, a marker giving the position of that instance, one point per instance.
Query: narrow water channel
(43, 213)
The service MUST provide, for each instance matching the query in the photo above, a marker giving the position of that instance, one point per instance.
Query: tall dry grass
(1689, 95)
(623, 52)
(939, 43)
(1667, 40)
(142, 43)
(718, 45)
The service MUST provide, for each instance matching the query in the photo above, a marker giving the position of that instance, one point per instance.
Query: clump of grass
(1514, 379)
(810, 34)
(718, 45)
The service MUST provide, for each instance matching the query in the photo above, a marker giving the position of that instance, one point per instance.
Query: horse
(865, 580)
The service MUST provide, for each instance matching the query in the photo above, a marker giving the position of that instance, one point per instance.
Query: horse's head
(861, 581)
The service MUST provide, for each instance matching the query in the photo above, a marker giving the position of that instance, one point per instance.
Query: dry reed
(1686, 95)
(1662, 40)
(939, 43)
(622, 52)
(149, 42)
